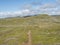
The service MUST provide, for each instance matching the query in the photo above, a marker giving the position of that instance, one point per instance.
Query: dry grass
(44, 30)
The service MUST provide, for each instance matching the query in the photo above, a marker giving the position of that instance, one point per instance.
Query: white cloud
(58, 1)
(47, 8)
(26, 6)
(15, 13)
(48, 5)
(29, 12)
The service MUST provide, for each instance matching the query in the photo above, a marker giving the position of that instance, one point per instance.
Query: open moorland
(45, 30)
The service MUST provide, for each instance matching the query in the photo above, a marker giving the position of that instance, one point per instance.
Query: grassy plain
(45, 30)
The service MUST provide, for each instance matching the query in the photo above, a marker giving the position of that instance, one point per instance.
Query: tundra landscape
(45, 30)
(29, 22)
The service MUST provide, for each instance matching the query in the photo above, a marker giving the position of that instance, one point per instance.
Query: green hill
(45, 30)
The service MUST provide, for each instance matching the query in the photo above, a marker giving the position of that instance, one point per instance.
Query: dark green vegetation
(45, 30)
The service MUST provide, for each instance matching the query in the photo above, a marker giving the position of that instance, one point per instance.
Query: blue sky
(12, 5)
(26, 7)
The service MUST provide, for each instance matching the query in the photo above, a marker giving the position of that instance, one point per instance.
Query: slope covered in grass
(45, 30)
